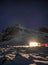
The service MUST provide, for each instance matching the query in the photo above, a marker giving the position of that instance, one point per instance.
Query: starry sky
(30, 14)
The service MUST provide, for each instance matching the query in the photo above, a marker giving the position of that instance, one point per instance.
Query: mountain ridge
(12, 31)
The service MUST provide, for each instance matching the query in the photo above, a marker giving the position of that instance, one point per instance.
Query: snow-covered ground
(21, 57)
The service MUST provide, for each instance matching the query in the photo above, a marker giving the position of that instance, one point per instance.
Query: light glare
(33, 44)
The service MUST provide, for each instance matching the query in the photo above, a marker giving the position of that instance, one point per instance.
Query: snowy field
(23, 56)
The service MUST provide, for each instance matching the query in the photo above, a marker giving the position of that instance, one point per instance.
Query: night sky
(31, 14)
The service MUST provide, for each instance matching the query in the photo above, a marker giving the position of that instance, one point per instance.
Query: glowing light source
(34, 44)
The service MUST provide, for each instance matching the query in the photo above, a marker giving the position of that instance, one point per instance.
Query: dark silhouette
(43, 29)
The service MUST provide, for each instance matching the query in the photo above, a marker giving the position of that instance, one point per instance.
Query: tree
(43, 29)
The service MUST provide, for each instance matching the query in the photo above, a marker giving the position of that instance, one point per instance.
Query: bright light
(33, 44)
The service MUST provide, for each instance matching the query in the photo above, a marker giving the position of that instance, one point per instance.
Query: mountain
(18, 34)
(15, 31)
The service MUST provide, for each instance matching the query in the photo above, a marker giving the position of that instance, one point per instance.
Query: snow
(14, 57)
(45, 62)
(33, 56)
